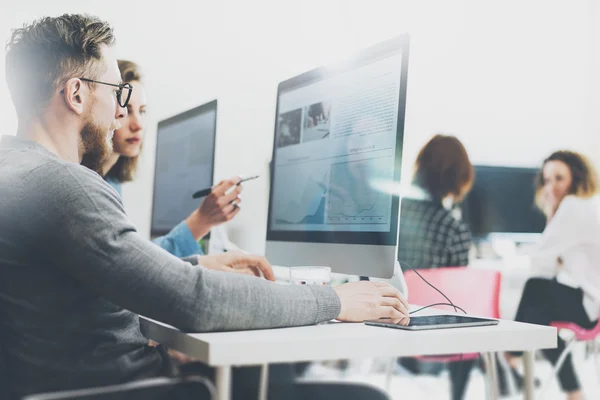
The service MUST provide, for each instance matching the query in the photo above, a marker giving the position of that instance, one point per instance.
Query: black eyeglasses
(123, 93)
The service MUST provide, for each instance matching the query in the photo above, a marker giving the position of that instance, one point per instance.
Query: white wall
(514, 80)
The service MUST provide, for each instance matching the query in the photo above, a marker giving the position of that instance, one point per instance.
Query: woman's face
(127, 141)
(557, 182)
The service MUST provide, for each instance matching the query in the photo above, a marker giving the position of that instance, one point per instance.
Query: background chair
(197, 388)
(475, 290)
(579, 334)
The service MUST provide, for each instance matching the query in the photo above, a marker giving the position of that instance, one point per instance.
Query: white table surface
(335, 341)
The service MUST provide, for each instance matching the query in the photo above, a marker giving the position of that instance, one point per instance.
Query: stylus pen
(206, 192)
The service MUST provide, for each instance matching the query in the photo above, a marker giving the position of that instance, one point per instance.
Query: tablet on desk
(436, 322)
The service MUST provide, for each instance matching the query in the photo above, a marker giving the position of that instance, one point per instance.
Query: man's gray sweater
(75, 274)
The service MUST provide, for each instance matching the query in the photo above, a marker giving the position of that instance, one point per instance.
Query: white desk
(336, 341)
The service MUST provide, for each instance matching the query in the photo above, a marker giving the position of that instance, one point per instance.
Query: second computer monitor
(185, 151)
(502, 202)
(337, 152)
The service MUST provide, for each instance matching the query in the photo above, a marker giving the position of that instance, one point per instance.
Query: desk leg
(528, 362)
(490, 364)
(264, 382)
(224, 383)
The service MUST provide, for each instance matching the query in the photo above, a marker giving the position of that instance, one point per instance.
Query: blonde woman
(216, 208)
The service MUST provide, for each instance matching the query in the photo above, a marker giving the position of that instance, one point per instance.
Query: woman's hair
(124, 169)
(584, 179)
(443, 168)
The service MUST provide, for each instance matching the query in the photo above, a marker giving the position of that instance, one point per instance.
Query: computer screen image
(338, 140)
(502, 202)
(185, 148)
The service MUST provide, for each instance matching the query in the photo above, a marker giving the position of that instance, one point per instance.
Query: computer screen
(185, 150)
(338, 143)
(502, 201)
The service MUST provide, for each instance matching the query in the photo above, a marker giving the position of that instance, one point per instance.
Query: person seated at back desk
(75, 273)
(220, 206)
(429, 235)
(566, 262)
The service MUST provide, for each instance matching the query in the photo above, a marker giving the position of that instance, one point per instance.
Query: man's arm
(82, 229)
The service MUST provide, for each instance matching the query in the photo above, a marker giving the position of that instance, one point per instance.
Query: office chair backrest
(476, 290)
(194, 387)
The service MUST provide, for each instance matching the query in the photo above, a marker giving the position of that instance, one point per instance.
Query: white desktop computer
(337, 151)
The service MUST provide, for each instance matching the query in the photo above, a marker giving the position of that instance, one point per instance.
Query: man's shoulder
(43, 179)
(53, 175)
(28, 161)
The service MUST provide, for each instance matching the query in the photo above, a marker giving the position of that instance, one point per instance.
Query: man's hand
(365, 300)
(240, 263)
(216, 208)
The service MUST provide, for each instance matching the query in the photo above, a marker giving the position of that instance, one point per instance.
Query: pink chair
(475, 290)
(579, 335)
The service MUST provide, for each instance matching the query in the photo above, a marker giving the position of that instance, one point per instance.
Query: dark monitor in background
(185, 152)
(338, 140)
(502, 202)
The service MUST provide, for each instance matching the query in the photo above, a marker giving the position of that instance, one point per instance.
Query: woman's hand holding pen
(220, 206)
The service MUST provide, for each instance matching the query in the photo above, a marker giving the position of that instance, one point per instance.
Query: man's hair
(124, 169)
(443, 167)
(584, 179)
(43, 55)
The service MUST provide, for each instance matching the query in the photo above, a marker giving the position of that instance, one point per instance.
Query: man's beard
(96, 146)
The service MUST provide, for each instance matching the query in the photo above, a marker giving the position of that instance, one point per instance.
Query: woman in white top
(566, 264)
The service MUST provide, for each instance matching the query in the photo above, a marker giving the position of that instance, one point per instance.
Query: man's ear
(75, 93)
